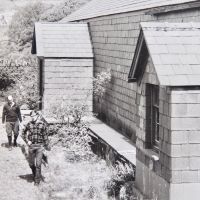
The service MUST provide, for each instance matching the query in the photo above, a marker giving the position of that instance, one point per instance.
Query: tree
(60, 11)
(20, 31)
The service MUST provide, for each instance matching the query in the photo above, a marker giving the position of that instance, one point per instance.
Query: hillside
(8, 7)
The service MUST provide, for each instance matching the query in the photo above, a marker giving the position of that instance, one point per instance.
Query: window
(152, 116)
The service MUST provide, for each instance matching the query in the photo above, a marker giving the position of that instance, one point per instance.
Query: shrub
(19, 75)
(76, 173)
(121, 174)
(100, 82)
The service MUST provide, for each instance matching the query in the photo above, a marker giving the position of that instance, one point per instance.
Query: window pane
(155, 115)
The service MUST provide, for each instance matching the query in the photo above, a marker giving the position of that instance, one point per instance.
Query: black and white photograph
(99, 99)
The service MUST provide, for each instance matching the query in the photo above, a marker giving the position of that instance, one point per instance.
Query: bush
(100, 82)
(19, 75)
(76, 140)
(76, 173)
(122, 173)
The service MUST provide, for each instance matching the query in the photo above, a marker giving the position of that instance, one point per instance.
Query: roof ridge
(170, 26)
(60, 22)
(98, 8)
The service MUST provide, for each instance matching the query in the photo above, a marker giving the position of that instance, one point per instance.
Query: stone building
(66, 63)
(159, 108)
(166, 70)
(114, 29)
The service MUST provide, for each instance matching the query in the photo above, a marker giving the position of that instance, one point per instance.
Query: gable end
(139, 61)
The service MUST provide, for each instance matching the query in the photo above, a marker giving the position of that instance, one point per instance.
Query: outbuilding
(65, 58)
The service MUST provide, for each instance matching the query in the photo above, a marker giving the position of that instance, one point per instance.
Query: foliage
(71, 130)
(25, 92)
(60, 11)
(19, 68)
(100, 82)
(20, 31)
(12, 68)
(76, 173)
(76, 140)
(65, 179)
(18, 77)
(8, 73)
(67, 112)
(121, 174)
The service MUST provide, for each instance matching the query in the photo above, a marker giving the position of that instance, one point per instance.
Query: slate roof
(175, 52)
(96, 8)
(62, 40)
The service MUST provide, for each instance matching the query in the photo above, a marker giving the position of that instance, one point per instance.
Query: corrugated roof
(62, 40)
(97, 8)
(175, 52)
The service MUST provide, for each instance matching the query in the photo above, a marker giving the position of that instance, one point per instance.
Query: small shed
(65, 58)
(166, 67)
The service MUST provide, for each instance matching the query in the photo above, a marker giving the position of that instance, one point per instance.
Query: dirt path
(15, 176)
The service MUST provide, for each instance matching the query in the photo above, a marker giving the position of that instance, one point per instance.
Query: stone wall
(69, 80)
(175, 175)
(114, 40)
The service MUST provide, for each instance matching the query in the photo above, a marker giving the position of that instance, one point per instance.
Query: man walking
(35, 136)
(12, 116)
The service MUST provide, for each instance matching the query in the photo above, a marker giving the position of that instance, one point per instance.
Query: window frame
(152, 117)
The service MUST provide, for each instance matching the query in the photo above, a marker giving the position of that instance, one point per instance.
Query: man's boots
(9, 143)
(15, 141)
(33, 168)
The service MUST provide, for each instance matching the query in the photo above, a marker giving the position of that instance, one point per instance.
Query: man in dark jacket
(12, 116)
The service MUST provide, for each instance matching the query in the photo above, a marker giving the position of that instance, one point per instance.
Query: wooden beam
(173, 8)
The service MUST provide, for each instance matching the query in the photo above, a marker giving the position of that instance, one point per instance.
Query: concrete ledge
(122, 145)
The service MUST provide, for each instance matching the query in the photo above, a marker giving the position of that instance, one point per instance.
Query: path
(15, 175)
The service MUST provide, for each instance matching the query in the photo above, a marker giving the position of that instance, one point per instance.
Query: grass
(67, 178)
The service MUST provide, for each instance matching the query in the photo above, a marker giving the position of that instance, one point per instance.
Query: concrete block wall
(150, 173)
(184, 140)
(69, 80)
(114, 40)
(177, 172)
